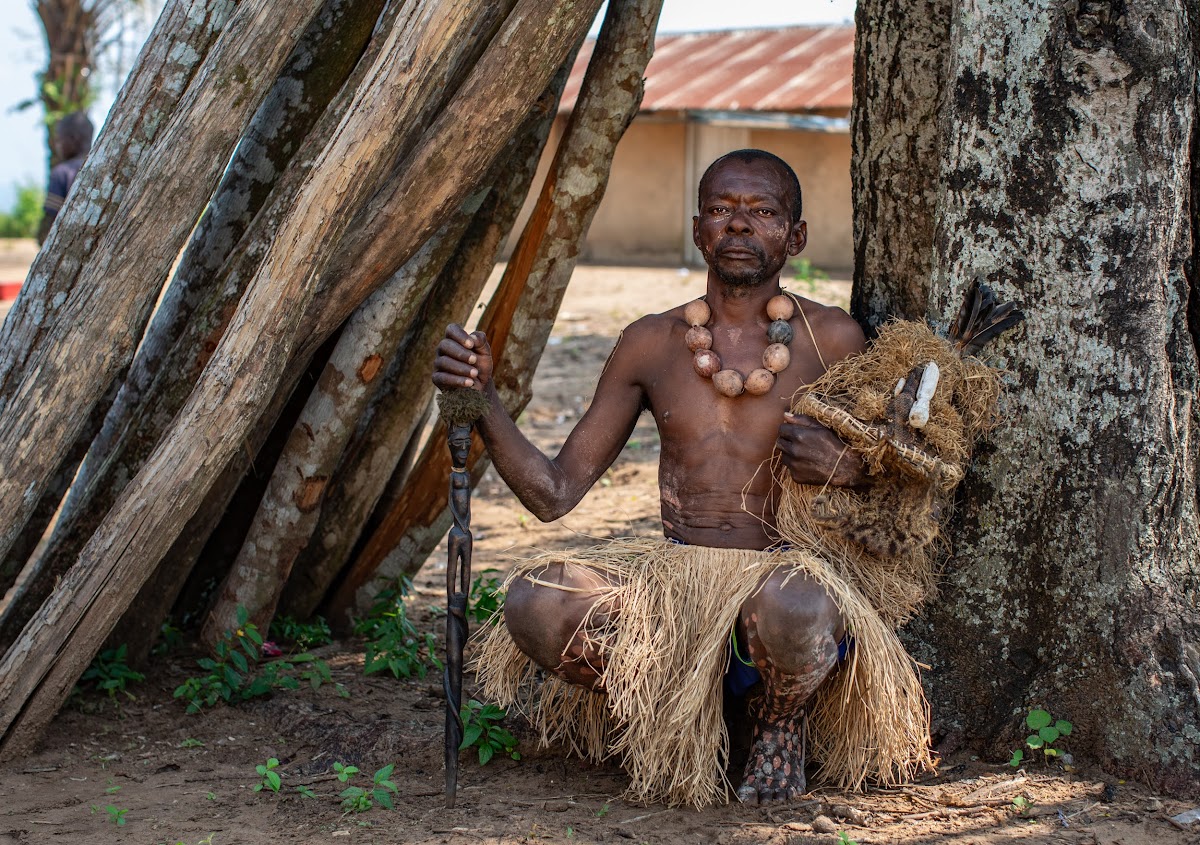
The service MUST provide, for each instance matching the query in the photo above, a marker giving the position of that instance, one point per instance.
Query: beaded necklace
(776, 356)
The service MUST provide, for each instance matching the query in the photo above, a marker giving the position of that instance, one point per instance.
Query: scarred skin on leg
(712, 447)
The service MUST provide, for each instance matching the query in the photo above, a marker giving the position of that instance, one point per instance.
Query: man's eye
(717, 209)
(766, 212)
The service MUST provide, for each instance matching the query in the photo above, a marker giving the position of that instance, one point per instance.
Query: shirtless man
(712, 446)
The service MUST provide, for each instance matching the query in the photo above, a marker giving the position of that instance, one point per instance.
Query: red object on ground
(9, 290)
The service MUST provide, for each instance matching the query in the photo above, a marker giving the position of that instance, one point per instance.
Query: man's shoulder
(835, 330)
(652, 328)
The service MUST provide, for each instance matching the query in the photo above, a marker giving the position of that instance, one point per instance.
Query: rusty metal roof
(791, 69)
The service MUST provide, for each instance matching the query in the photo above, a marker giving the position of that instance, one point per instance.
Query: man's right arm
(549, 487)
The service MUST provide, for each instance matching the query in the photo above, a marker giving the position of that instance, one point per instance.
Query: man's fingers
(446, 381)
(458, 334)
(449, 348)
(459, 368)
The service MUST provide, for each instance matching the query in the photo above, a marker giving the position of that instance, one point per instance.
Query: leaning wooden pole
(183, 332)
(38, 673)
(90, 290)
(521, 313)
(402, 403)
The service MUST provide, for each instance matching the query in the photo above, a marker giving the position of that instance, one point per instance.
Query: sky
(22, 54)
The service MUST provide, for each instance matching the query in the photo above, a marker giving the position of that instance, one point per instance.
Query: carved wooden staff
(460, 409)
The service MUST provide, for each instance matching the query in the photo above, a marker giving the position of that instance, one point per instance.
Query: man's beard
(743, 273)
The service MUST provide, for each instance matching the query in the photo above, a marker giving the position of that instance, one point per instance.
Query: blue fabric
(739, 677)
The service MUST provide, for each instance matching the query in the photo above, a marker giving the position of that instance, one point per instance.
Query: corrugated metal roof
(791, 69)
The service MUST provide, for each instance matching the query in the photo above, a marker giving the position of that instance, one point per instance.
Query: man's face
(745, 229)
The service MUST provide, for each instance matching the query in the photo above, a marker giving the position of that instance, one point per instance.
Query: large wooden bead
(698, 337)
(776, 357)
(781, 307)
(729, 383)
(780, 331)
(707, 363)
(697, 312)
(759, 382)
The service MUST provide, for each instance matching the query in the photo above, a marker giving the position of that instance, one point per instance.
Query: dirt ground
(188, 778)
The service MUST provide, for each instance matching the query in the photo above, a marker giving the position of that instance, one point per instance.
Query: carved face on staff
(749, 221)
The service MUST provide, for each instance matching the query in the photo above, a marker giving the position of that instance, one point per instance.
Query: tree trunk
(1075, 583)
(39, 671)
(901, 52)
(172, 355)
(403, 402)
(83, 308)
(519, 318)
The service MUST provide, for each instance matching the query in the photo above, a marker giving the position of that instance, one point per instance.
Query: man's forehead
(761, 178)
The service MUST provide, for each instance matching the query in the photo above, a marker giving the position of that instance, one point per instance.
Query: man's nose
(739, 224)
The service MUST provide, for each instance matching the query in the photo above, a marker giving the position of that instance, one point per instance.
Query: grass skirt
(666, 649)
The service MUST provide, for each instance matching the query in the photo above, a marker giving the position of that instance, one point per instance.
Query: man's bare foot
(775, 770)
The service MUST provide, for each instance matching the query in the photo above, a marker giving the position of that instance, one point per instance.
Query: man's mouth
(738, 252)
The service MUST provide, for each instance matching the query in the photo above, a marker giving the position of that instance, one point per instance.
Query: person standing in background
(72, 142)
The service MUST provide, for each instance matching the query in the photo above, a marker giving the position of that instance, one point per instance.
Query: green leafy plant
(357, 799)
(802, 270)
(116, 815)
(191, 742)
(109, 672)
(481, 729)
(486, 599)
(22, 220)
(1046, 732)
(236, 673)
(844, 838)
(269, 777)
(303, 635)
(305, 791)
(393, 642)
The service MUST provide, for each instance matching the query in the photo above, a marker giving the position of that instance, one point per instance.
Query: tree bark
(519, 317)
(1075, 583)
(901, 52)
(171, 356)
(39, 671)
(403, 401)
(91, 288)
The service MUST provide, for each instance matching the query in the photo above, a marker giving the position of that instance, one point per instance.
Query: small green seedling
(1046, 731)
(190, 742)
(116, 815)
(305, 791)
(270, 778)
(482, 730)
(355, 799)
(844, 838)
(303, 635)
(602, 812)
(1021, 803)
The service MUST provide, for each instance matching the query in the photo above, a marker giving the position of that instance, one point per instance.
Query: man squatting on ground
(712, 486)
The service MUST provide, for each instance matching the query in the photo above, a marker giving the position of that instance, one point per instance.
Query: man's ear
(696, 231)
(799, 238)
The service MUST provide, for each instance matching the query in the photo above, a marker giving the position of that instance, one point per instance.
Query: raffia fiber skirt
(665, 639)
